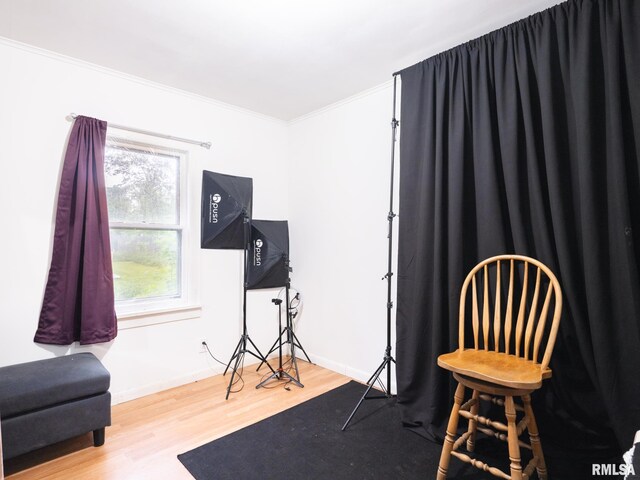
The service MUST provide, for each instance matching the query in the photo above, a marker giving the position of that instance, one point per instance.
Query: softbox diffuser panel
(268, 254)
(226, 199)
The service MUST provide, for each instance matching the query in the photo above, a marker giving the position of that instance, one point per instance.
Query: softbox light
(226, 202)
(268, 264)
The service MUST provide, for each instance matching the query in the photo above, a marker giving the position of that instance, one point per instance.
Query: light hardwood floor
(147, 434)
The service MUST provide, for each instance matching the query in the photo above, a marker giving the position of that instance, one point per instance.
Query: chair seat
(495, 367)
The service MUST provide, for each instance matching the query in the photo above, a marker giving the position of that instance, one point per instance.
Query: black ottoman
(51, 400)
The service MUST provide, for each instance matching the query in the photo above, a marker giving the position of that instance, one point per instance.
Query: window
(145, 195)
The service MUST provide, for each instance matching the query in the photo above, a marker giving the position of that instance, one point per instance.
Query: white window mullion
(144, 226)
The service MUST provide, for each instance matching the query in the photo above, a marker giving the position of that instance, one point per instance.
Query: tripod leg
(294, 361)
(293, 380)
(299, 345)
(235, 353)
(272, 349)
(371, 383)
(259, 355)
(268, 379)
(292, 348)
(376, 374)
(280, 376)
(239, 356)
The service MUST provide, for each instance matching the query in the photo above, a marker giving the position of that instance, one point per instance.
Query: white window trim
(136, 313)
(154, 317)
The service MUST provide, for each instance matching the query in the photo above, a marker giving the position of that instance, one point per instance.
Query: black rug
(305, 442)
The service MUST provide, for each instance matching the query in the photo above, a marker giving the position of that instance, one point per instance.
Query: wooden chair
(508, 358)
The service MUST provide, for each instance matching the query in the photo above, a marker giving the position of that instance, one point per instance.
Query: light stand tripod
(242, 347)
(280, 374)
(388, 359)
(291, 337)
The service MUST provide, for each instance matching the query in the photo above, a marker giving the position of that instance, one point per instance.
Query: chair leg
(472, 423)
(514, 446)
(452, 430)
(534, 438)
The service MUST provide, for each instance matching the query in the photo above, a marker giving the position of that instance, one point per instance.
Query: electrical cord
(293, 308)
(297, 301)
(238, 374)
(295, 304)
(285, 384)
(211, 354)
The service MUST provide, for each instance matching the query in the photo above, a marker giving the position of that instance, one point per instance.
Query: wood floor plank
(147, 434)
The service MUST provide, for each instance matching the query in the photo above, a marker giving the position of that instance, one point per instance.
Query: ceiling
(282, 58)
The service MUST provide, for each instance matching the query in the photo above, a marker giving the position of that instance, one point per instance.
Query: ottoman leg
(98, 437)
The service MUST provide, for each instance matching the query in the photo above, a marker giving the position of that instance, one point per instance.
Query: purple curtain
(78, 301)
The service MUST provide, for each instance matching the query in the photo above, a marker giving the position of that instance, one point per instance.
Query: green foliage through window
(143, 191)
(142, 186)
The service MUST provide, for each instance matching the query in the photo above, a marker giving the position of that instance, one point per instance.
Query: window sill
(157, 316)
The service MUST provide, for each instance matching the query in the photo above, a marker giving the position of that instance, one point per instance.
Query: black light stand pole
(388, 359)
(292, 338)
(241, 348)
(280, 374)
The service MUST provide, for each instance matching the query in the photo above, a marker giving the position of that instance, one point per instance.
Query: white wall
(37, 91)
(327, 173)
(339, 200)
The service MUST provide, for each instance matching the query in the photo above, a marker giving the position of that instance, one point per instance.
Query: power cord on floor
(285, 384)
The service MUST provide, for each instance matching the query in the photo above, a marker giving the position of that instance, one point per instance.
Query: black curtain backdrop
(527, 141)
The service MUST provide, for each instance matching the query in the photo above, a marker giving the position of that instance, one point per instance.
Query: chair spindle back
(531, 304)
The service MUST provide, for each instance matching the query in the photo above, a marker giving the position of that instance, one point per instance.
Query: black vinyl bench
(47, 401)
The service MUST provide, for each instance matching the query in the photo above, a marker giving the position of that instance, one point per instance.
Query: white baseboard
(215, 369)
(356, 374)
(133, 393)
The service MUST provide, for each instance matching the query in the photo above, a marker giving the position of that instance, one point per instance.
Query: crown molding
(340, 103)
(134, 79)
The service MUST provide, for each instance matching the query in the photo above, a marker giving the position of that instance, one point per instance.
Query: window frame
(131, 307)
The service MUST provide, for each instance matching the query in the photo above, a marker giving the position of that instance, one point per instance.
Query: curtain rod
(206, 145)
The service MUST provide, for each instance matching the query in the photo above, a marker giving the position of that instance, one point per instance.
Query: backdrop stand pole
(388, 358)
